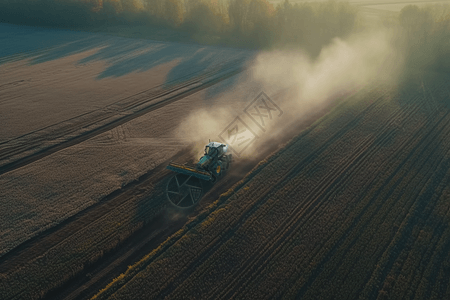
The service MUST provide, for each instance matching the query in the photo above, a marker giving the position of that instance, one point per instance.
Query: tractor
(185, 188)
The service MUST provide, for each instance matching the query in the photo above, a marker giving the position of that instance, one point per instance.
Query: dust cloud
(342, 67)
(202, 125)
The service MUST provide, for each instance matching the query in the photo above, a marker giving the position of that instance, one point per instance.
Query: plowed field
(355, 207)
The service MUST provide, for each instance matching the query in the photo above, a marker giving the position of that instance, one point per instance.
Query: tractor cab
(184, 189)
(215, 149)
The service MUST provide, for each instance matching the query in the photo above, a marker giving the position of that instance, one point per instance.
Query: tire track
(261, 263)
(82, 290)
(403, 237)
(379, 167)
(29, 251)
(321, 192)
(86, 126)
(424, 201)
(48, 239)
(189, 269)
(128, 102)
(328, 192)
(297, 228)
(419, 140)
(407, 202)
(344, 236)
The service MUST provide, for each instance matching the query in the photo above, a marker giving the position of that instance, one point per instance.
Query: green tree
(173, 12)
(416, 22)
(201, 19)
(238, 11)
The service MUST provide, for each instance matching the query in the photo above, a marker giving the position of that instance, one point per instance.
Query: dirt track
(89, 282)
(380, 197)
(130, 250)
(66, 140)
(28, 148)
(107, 186)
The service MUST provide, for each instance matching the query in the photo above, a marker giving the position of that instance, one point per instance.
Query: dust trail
(342, 67)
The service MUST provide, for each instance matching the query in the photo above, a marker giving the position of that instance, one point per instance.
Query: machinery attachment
(185, 188)
(184, 191)
(190, 171)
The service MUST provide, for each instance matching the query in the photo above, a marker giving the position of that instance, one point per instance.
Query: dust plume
(203, 125)
(311, 84)
(342, 67)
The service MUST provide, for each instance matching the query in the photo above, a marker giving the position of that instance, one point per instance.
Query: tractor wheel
(184, 191)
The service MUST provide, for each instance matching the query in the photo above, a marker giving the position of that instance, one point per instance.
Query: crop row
(361, 251)
(352, 268)
(63, 261)
(346, 210)
(314, 202)
(272, 218)
(149, 258)
(328, 212)
(242, 210)
(378, 225)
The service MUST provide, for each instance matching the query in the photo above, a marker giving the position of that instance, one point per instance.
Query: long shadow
(16, 39)
(122, 55)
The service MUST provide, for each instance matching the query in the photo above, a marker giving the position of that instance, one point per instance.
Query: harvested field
(74, 87)
(355, 207)
(132, 217)
(82, 186)
(345, 205)
(84, 141)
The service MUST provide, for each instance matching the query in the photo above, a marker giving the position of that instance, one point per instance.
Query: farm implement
(185, 188)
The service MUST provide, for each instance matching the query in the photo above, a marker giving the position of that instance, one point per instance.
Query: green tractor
(185, 188)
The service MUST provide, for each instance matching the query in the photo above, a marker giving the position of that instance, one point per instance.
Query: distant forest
(422, 34)
(242, 23)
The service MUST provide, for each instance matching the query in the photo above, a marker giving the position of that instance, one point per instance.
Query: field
(84, 117)
(356, 207)
(343, 196)
(71, 116)
(83, 178)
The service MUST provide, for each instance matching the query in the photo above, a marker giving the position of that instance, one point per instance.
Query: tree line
(425, 36)
(241, 23)
(423, 33)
